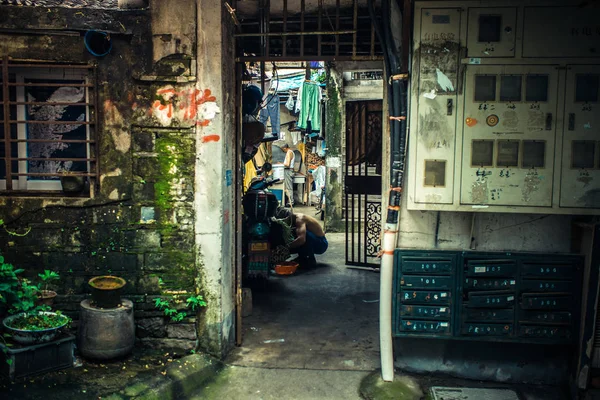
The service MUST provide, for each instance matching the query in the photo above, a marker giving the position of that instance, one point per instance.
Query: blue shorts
(318, 244)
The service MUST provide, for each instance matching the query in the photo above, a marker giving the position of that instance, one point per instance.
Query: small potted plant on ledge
(46, 296)
(72, 183)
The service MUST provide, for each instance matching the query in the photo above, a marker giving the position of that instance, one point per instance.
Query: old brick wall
(140, 225)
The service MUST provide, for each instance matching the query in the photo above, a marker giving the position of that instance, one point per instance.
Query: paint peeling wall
(162, 168)
(214, 194)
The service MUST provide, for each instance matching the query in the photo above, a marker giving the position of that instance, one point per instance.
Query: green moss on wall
(333, 207)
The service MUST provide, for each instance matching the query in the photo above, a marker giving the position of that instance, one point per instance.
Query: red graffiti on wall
(210, 138)
(186, 105)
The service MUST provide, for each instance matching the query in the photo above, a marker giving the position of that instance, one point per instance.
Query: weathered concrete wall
(154, 127)
(338, 93)
(334, 188)
(214, 190)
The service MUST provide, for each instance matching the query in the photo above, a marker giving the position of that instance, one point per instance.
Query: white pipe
(385, 302)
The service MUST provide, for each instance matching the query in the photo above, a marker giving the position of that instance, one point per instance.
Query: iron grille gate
(363, 182)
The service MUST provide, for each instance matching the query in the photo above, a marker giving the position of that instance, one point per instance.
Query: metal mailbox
(485, 296)
(427, 267)
(545, 302)
(543, 285)
(491, 268)
(491, 300)
(425, 297)
(413, 325)
(479, 314)
(428, 312)
(482, 329)
(425, 282)
(549, 332)
(490, 284)
(546, 317)
(552, 271)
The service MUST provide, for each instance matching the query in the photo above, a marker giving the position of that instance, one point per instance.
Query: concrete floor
(320, 319)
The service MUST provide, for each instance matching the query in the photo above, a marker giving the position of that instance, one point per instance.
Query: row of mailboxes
(492, 296)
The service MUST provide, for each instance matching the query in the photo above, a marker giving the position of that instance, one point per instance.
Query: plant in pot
(72, 183)
(28, 322)
(46, 296)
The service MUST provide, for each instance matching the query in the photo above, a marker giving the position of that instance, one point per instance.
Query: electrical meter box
(492, 32)
(505, 113)
(437, 87)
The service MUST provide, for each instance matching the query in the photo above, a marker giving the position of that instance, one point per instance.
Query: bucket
(278, 171)
(106, 291)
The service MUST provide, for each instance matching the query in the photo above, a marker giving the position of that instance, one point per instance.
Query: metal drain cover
(454, 393)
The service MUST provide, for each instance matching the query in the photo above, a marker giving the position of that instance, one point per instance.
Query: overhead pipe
(397, 107)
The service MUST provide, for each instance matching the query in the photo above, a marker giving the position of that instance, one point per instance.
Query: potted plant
(46, 296)
(71, 183)
(28, 322)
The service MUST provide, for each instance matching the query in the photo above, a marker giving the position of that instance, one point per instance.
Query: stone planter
(32, 337)
(105, 334)
(106, 291)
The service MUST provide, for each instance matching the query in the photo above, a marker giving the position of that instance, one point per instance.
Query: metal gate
(362, 180)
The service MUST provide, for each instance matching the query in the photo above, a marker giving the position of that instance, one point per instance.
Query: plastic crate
(37, 359)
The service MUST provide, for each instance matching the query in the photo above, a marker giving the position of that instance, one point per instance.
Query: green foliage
(48, 276)
(19, 294)
(195, 301)
(192, 302)
(39, 321)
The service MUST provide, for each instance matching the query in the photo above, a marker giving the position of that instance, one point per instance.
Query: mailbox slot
(546, 317)
(544, 285)
(546, 302)
(425, 282)
(489, 284)
(428, 312)
(551, 271)
(425, 297)
(490, 268)
(426, 266)
(413, 325)
(549, 332)
(482, 329)
(481, 315)
(491, 300)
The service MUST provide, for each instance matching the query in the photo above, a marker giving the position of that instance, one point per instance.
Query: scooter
(260, 234)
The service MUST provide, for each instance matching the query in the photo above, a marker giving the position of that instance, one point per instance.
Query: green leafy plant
(175, 315)
(195, 301)
(48, 276)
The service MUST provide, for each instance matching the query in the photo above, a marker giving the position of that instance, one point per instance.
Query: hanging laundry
(309, 97)
(271, 110)
(289, 104)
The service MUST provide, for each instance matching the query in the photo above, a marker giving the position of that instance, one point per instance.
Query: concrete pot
(32, 337)
(106, 290)
(105, 334)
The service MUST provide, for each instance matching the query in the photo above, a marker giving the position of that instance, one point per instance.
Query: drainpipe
(397, 118)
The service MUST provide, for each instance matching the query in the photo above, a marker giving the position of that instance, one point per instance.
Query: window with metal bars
(47, 126)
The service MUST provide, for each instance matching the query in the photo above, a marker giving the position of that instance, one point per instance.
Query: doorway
(362, 182)
(324, 317)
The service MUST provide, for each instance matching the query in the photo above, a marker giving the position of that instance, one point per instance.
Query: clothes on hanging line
(271, 110)
(309, 105)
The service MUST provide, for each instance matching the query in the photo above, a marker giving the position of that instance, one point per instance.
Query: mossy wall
(334, 180)
(140, 223)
